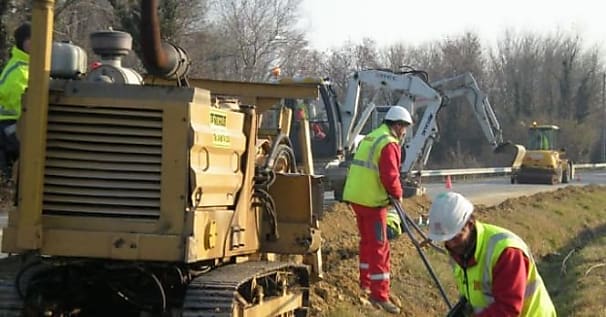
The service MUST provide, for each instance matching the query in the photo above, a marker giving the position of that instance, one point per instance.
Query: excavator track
(232, 289)
(10, 302)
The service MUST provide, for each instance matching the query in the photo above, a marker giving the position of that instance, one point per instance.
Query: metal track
(216, 293)
(10, 303)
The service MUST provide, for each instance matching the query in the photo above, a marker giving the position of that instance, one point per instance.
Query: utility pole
(604, 119)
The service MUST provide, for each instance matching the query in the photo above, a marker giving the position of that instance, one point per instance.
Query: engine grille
(103, 161)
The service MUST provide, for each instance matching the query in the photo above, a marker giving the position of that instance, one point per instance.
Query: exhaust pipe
(160, 58)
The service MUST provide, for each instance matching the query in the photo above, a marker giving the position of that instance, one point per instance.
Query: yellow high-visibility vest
(13, 81)
(476, 285)
(363, 183)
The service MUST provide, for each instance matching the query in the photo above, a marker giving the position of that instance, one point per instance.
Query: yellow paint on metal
(31, 171)
(211, 235)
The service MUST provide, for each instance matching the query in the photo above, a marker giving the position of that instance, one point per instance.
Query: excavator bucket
(517, 152)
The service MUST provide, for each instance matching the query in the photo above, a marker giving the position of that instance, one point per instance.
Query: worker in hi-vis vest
(373, 176)
(13, 82)
(495, 272)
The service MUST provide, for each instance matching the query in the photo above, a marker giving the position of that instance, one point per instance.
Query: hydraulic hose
(404, 221)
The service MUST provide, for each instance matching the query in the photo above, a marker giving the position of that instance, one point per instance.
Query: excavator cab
(322, 117)
(543, 137)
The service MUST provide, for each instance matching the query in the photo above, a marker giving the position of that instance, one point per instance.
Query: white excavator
(412, 90)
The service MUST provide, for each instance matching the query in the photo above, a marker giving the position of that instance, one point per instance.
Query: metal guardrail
(493, 170)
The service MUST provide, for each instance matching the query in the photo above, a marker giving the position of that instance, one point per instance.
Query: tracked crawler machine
(544, 162)
(155, 200)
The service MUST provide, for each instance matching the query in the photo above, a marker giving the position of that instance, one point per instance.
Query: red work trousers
(374, 250)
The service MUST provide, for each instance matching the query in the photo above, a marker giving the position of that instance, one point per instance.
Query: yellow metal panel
(100, 223)
(247, 216)
(297, 230)
(215, 156)
(175, 169)
(203, 222)
(262, 95)
(112, 245)
(35, 112)
(277, 306)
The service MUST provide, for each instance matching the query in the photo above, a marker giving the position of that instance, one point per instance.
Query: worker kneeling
(494, 269)
(373, 176)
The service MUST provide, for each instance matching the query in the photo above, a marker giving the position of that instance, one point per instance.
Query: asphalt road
(491, 191)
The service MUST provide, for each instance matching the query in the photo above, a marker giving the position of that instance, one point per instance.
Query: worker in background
(544, 141)
(373, 176)
(13, 82)
(495, 272)
(301, 110)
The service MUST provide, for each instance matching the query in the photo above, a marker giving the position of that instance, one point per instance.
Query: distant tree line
(548, 78)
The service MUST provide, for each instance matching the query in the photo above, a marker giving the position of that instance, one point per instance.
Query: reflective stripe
(369, 163)
(365, 164)
(364, 266)
(10, 70)
(7, 112)
(374, 146)
(531, 288)
(379, 277)
(486, 282)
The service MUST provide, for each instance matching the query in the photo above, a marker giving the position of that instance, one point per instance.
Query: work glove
(461, 309)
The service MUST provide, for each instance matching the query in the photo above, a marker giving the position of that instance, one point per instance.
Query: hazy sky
(330, 23)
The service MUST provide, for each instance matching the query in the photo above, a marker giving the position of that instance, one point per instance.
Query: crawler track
(10, 303)
(244, 289)
(233, 288)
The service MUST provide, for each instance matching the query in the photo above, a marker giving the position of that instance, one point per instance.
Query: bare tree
(12, 14)
(255, 35)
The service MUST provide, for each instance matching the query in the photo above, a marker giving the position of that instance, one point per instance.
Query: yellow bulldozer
(153, 196)
(544, 162)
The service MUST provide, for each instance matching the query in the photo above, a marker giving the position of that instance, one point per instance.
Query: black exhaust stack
(160, 58)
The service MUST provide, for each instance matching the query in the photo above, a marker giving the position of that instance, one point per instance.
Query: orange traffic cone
(448, 182)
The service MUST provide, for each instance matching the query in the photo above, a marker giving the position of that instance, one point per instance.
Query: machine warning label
(218, 119)
(218, 123)
(221, 140)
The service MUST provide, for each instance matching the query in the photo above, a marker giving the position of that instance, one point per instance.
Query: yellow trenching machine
(137, 198)
(544, 162)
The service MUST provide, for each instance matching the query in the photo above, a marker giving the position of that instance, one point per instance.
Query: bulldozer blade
(518, 153)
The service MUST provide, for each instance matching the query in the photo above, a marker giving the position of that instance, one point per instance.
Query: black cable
(20, 274)
(404, 221)
(280, 139)
(160, 286)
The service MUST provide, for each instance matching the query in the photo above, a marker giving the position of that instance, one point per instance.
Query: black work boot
(387, 306)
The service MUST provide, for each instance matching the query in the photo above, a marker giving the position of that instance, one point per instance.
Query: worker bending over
(495, 272)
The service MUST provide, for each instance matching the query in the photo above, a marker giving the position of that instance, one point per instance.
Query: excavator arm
(464, 85)
(416, 92)
(411, 88)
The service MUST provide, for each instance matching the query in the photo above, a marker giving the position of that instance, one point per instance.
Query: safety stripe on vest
(379, 277)
(10, 70)
(7, 72)
(6, 112)
(364, 266)
(369, 161)
(492, 243)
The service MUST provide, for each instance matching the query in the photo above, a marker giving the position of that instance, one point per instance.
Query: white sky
(331, 23)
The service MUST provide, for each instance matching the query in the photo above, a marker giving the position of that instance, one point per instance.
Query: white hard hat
(398, 113)
(448, 215)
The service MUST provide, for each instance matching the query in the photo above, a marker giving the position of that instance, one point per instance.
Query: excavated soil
(340, 255)
(546, 221)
